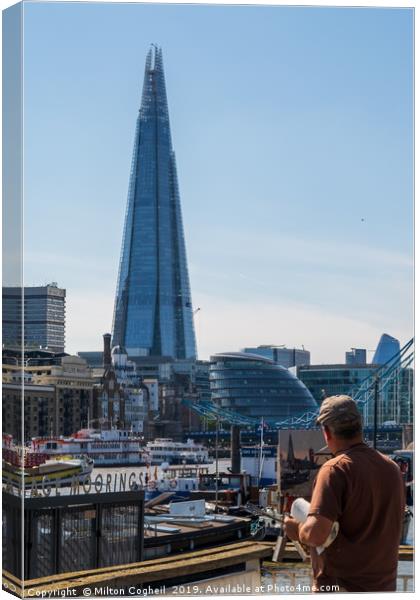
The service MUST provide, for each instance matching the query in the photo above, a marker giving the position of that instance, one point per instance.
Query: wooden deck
(201, 562)
(157, 571)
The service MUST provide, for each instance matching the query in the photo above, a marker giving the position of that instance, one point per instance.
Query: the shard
(153, 313)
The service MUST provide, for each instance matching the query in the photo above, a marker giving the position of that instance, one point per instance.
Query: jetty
(229, 569)
(201, 571)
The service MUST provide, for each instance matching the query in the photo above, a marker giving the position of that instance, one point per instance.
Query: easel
(280, 547)
(282, 540)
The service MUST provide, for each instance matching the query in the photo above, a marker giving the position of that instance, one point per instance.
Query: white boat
(181, 486)
(104, 447)
(31, 469)
(59, 471)
(165, 450)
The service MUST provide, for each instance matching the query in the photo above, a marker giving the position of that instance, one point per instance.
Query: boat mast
(261, 457)
(217, 464)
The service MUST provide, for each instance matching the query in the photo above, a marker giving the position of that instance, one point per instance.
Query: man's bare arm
(315, 530)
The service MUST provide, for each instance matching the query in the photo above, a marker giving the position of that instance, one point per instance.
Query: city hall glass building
(153, 313)
(257, 387)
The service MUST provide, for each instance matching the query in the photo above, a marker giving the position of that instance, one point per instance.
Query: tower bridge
(387, 390)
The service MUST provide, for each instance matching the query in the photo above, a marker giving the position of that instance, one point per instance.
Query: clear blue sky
(290, 126)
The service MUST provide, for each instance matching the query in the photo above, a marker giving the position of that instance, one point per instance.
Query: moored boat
(165, 450)
(107, 447)
(23, 467)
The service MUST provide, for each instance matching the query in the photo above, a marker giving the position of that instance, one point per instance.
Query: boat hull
(64, 475)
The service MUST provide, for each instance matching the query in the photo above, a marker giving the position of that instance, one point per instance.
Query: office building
(42, 312)
(38, 410)
(387, 348)
(57, 393)
(286, 357)
(329, 380)
(153, 313)
(356, 356)
(257, 387)
(396, 398)
(94, 358)
(201, 380)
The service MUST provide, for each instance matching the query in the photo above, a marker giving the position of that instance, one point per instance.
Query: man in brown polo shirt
(361, 489)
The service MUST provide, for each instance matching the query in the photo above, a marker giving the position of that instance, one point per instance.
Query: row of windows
(257, 389)
(254, 391)
(215, 386)
(142, 261)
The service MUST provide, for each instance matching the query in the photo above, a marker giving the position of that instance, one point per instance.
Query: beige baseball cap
(340, 411)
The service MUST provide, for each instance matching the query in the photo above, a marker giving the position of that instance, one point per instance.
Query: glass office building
(35, 316)
(395, 401)
(257, 387)
(330, 380)
(153, 313)
(286, 357)
(387, 348)
(356, 356)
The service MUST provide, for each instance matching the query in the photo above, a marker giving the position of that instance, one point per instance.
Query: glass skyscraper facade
(356, 356)
(286, 357)
(395, 400)
(257, 387)
(388, 347)
(329, 380)
(34, 316)
(153, 313)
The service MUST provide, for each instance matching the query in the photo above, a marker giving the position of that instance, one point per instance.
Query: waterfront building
(42, 312)
(387, 348)
(57, 393)
(356, 356)
(153, 313)
(329, 380)
(73, 385)
(124, 368)
(39, 410)
(145, 395)
(395, 403)
(109, 395)
(135, 409)
(202, 379)
(257, 387)
(286, 357)
(134, 393)
(123, 398)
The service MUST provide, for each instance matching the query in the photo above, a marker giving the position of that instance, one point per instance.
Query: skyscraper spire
(153, 310)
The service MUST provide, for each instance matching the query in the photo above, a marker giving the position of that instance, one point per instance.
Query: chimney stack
(107, 350)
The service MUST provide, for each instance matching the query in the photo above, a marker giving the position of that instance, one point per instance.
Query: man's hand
(291, 527)
(313, 532)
